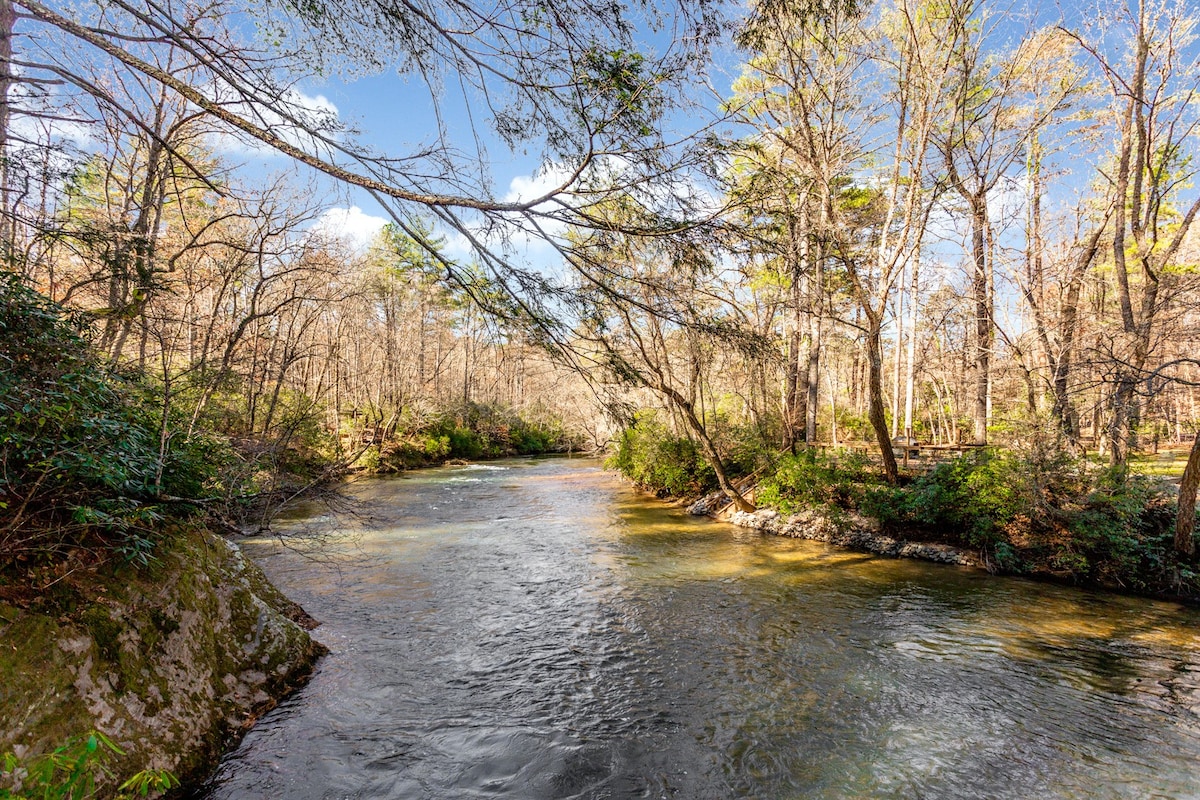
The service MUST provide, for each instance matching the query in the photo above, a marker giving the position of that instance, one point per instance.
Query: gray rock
(168, 663)
(849, 530)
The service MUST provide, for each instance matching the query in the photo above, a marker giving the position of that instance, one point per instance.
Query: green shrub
(655, 459)
(811, 479)
(1040, 509)
(468, 431)
(465, 443)
(1122, 527)
(72, 771)
(968, 496)
(979, 496)
(84, 450)
(530, 437)
(436, 447)
(747, 450)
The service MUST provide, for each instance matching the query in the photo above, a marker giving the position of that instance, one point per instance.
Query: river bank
(857, 535)
(1031, 508)
(172, 662)
(858, 532)
(535, 629)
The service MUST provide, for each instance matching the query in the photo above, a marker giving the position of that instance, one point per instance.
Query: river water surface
(534, 629)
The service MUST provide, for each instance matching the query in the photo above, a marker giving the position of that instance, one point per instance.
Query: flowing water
(533, 629)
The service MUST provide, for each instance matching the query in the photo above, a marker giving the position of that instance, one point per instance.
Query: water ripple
(547, 634)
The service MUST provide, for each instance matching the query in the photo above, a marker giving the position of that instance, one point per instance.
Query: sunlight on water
(534, 629)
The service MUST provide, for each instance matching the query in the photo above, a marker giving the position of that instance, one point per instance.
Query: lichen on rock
(171, 663)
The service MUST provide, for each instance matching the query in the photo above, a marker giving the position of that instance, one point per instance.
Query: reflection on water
(539, 631)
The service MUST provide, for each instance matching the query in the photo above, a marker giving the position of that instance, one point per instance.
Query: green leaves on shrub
(812, 479)
(1039, 510)
(470, 431)
(83, 449)
(72, 772)
(652, 457)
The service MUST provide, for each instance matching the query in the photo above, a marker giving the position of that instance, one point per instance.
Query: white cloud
(30, 128)
(515, 235)
(523, 188)
(458, 247)
(351, 225)
(305, 113)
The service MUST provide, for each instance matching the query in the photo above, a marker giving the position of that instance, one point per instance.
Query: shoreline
(857, 536)
(856, 532)
(174, 663)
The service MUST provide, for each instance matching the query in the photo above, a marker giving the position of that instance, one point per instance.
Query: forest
(923, 269)
(774, 250)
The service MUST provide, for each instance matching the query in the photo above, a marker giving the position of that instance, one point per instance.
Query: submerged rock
(849, 530)
(171, 663)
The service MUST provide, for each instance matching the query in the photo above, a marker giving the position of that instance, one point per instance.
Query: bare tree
(574, 86)
(799, 92)
(1153, 81)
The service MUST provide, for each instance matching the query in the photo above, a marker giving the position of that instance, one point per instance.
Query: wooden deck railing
(920, 456)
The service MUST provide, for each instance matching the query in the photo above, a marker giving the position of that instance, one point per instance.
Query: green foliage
(652, 457)
(471, 431)
(811, 479)
(295, 443)
(1039, 510)
(746, 448)
(972, 496)
(84, 450)
(854, 427)
(463, 442)
(72, 772)
(1122, 527)
(623, 89)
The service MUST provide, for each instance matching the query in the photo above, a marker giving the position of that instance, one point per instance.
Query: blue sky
(396, 114)
(391, 115)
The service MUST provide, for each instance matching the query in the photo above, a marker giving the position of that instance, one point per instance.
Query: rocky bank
(171, 662)
(847, 530)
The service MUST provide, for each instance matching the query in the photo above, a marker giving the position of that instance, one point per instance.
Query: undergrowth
(1034, 511)
(74, 771)
(88, 456)
(470, 431)
(657, 460)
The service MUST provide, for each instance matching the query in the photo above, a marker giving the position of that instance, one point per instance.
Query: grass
(1164, 464)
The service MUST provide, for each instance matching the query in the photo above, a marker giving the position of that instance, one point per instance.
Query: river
(534, 629)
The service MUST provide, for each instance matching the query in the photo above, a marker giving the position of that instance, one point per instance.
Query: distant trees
(940, 123)
(905, 218)
(575, 88)
(798, 92)
(1153, 121)
(653, 324)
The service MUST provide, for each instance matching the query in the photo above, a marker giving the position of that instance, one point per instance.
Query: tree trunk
(1119, 422)
(816, 324)
(983, 317)
(1185, 519)
(875, 400)
(7, 20)
(910, 367)
(706, 444)
(899, 357)
(791, 398)
(795, 411)
(1063, 412)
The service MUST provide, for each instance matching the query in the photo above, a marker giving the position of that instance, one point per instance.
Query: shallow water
(533, 629)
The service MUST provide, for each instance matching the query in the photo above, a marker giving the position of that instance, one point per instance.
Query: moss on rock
(171, 664)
